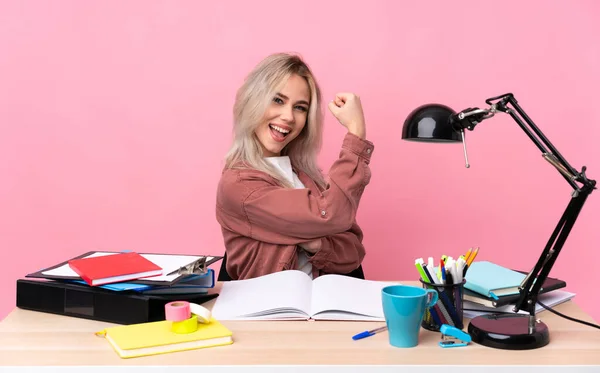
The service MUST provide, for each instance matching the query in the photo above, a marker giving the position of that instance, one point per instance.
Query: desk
(30, 339)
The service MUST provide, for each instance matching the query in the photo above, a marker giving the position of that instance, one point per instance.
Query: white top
(284, 166)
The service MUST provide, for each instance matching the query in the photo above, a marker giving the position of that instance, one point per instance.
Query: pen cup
(448, 309)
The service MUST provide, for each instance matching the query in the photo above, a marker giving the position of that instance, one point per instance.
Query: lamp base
(508, 332)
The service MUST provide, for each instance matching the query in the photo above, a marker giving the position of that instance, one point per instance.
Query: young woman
(276, 210)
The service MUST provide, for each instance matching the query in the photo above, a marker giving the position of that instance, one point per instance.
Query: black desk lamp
(439, 123)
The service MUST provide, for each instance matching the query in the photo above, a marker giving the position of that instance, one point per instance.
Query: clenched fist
(347, 109)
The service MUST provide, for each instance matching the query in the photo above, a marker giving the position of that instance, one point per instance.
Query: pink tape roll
(177, 311)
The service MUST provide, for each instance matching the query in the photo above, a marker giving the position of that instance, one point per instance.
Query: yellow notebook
(157, 338)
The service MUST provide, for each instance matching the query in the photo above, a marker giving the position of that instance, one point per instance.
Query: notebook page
(347, 298)
(266, 296)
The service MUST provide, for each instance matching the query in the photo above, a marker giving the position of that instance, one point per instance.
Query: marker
(460, 269)
(420, 269)
(443, 271)
(436, 280)
(451, 264)
(428, 274)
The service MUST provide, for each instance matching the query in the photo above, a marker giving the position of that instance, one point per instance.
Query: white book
(293, 295)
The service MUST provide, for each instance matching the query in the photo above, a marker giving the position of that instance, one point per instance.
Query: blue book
(119, 286)
(492, 280)
(192, 284)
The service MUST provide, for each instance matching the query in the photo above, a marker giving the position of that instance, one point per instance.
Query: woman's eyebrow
(287, 98)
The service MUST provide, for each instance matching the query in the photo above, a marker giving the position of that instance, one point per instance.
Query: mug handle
(434, 297)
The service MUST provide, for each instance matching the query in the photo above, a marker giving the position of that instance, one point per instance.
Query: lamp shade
(430, 123)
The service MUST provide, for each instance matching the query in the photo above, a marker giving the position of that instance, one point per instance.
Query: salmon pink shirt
(263, 223)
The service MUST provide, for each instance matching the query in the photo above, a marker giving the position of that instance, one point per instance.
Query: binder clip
(453, 337)
(197, 267)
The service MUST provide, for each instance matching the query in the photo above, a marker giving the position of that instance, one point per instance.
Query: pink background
(115, 117)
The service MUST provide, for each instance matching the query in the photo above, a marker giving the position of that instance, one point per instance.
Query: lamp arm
(582, 187)
(549, 152)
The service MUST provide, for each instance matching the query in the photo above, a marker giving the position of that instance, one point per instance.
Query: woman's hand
(347, 109)
(311, 246)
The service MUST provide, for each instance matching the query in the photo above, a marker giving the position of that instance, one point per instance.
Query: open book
(292, 295)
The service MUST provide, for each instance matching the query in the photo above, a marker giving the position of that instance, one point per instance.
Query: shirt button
(369, 151)
(323, 212)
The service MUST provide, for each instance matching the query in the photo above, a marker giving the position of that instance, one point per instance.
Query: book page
(278, 295)
(338, 297)
(168, 263)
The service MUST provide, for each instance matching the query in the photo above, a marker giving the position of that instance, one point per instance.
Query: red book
(107, 269)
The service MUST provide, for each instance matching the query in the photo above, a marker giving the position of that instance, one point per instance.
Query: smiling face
(285, 116)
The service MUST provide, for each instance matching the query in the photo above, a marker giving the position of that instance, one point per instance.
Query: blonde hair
(252, 100)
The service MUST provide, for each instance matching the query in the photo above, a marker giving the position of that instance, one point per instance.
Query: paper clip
(197, 267)
(453, 337)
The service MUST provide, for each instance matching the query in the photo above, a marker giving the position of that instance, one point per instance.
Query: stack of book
(120, 287)
(491, 288)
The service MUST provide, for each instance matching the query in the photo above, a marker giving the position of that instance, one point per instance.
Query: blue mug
(403, 308)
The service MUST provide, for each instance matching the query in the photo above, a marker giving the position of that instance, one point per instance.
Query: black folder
(119, 307)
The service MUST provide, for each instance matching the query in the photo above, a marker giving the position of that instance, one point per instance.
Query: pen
(369, 333)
